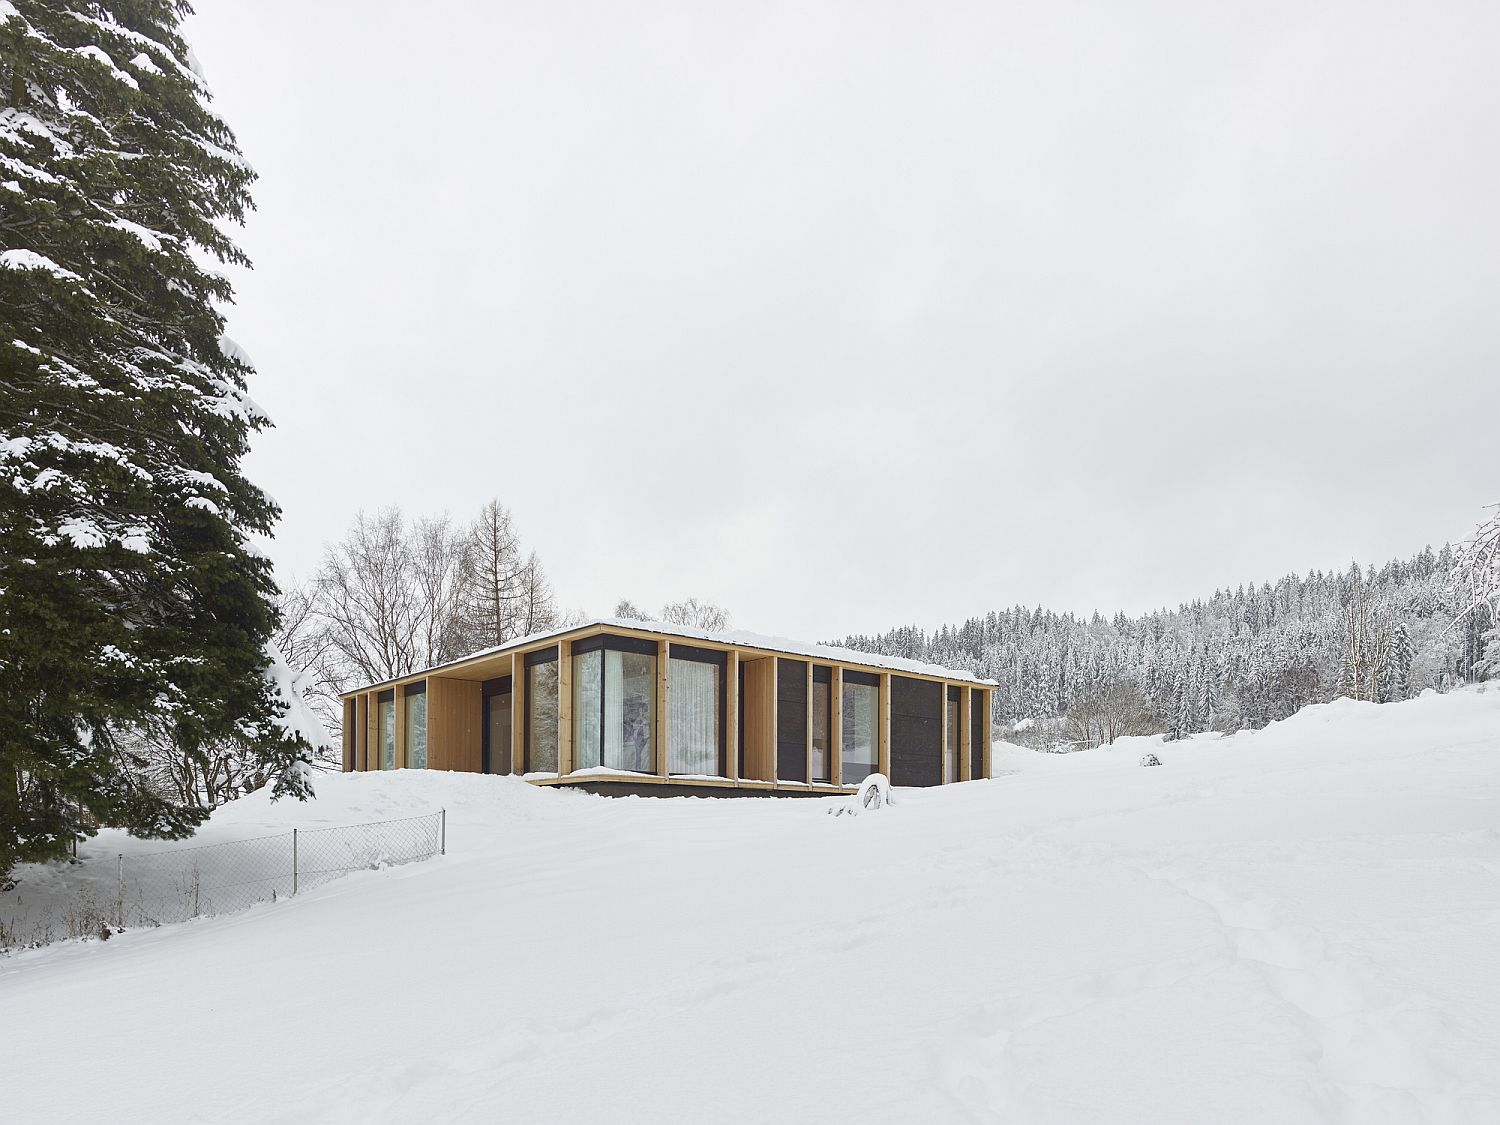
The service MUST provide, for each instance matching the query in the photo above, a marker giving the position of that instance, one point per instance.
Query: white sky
(849, 315)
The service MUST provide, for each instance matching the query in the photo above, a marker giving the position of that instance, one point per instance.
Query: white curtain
(587, 684)
(695, 717)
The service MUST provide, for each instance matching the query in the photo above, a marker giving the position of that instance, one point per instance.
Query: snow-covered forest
(1239, 659)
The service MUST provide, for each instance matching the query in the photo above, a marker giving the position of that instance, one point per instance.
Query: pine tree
(129, 590)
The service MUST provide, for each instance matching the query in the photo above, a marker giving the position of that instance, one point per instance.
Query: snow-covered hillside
(1296, 925)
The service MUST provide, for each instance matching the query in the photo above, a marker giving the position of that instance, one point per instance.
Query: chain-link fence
(183, 883)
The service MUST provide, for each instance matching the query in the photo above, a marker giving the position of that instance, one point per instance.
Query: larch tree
(130, 591)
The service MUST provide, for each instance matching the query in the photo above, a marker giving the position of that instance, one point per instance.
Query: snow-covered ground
(1296, 925)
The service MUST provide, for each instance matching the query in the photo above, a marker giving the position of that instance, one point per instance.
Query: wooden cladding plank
(455, 708)
(760, 719)
(732, 715)
(517, 714)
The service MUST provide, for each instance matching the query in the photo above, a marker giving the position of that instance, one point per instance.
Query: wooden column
(807, 770)
(564, 707)
(965, 734)
(372, 731)
(663, 708)
(885, 724)
(943, 726)
(986, 729)
(517, 714)
(836, 726)
(400, 697)
(732, 715)
(361, 735)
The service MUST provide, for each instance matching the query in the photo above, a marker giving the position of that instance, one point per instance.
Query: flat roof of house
(737, 638)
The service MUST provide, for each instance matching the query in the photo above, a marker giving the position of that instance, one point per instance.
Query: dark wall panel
(976, 734)
(916, 732)
(791, 720)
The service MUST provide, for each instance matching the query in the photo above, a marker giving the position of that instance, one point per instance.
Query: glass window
(387, 732)
(822, 724)
(614, 709)
(859, 754)
(695, 720)
(497, 716)
(416, 728)
(950, 744)
(541, 715)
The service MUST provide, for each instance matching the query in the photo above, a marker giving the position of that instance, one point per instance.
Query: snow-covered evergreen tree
(129, 590)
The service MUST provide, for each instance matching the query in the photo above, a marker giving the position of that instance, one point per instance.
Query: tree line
(1238, 660)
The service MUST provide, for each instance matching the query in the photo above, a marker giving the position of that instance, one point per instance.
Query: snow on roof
(738, 637)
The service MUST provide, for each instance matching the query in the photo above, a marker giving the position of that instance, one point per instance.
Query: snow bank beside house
(1300, 924)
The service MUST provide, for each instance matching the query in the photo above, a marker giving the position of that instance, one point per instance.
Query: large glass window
(697, 717)
(416, 726)
(859, 753)
(822, 723)
(541, 712)
(386, 732)
(614, 704)
(950, 743)
(497, 725)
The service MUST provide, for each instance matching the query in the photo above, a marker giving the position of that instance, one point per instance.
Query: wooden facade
(748, 718)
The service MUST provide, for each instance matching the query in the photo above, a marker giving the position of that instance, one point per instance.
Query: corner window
(416, 726)
(614, 704)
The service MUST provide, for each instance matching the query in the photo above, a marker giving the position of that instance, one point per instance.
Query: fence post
(120, 890)
(443, 832)
(294, 861)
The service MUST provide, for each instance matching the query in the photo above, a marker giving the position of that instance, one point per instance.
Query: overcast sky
(849, 315)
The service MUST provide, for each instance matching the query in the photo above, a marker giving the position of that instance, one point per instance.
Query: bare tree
(441, 572)
(1109, 711)
(696, 614)
(537, 610)
(495, 586)
(305, 645)
(366, 599)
